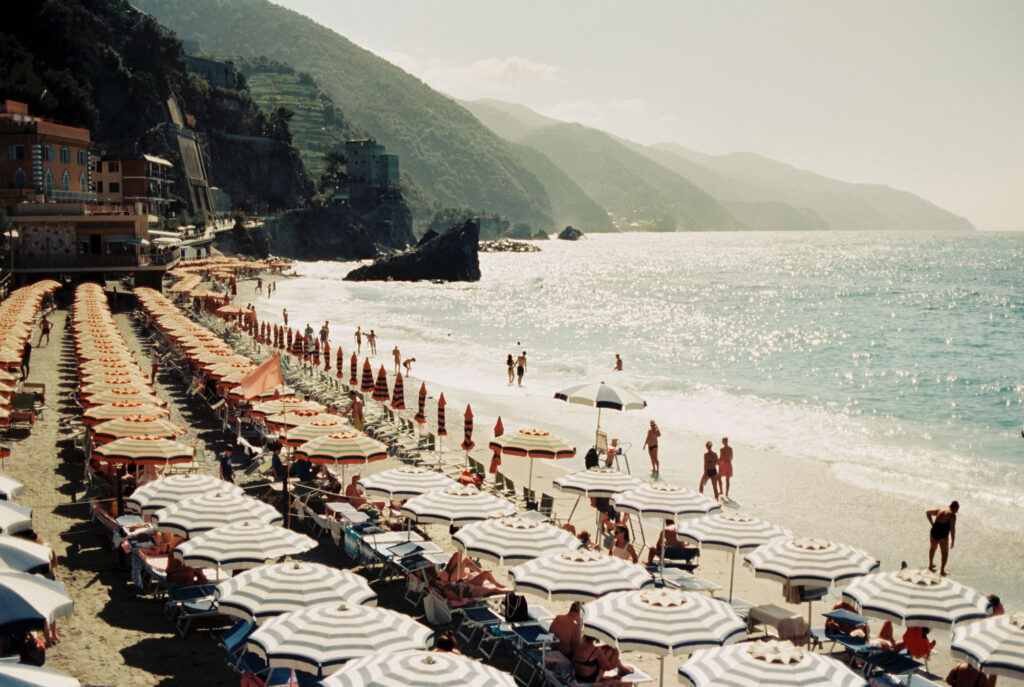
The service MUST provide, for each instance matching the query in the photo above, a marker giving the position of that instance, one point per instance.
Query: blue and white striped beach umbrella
(242, 546)
(29, 602)
(994, 646)
(404, 482)
(916, 596)
(14, 518)
(598, 482)
(10, 488)
(166, 491)
(601, 395)
(270, 590)
(210, 511)
(22, 555)
(418, 669)
(320, 638)
(809, 561)
(458, 505)
(507, 541)
(579, 575)
(664, 501)
(756, 664)
(23, 675)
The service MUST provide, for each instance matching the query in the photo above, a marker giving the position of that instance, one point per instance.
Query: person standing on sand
(651, 444)
(407, 364)
(371, 339)
(227, 470)
(398, 358)
(259, 286)
(521, 367)
(284, 314)
(725, 466)
(26, 358)
(44, 331)
(710, 470)
(511, 369)
(942, 534)
(359, 341)
(618, 363)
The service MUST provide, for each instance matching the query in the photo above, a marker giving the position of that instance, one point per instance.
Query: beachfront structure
(369, 164)
(40, 158)
(145, 180)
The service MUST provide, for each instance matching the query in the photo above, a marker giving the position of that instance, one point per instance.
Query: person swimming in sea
(942, 535)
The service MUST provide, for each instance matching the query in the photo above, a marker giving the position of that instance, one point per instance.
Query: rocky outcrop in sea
(451, 256)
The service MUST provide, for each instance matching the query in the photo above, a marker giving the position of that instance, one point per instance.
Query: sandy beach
(117, 638)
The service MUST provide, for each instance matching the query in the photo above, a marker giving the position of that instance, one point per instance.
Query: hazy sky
(927, 96)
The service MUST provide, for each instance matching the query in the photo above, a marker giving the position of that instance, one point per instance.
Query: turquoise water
(892, 358)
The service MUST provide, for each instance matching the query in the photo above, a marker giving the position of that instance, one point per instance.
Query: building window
(83, 185)
(17, 152)
(83, 157)
(19, 178)
(113, 167)
(115, 187)
(48, 153)
(65, 155)
(48, 182)
(99, 167)
(66, 181)
(99, 187)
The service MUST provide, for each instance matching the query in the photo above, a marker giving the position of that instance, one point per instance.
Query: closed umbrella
(366, 384)
(339, 367)
(666, 622)
(753, 664)
(579, 575)
(270, 590)
(994, 646)
(30, 602)
(320, 638)
(499, 428)
(442, 430)
(532, 444)
(353, 370)
(22, 555)
(404, 482)
(380, 387)
(165, 491)
(24, 675)
(467, 429)
(421, 415)
(417, 669)
(14, 518)
(917, 597)
(210, 511)
(601, 396)
(456, 506)
(512, 540)
(730, 531)
(242, 546)
(398, 394)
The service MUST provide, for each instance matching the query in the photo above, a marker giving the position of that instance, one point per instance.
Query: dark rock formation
(451, 256)
(570, 234)
(508, 246)
(260, 174)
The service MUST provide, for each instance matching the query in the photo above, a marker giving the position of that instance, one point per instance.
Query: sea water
(892, 360)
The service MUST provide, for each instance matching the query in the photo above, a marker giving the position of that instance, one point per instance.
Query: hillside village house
(138, 179)
(369, 164)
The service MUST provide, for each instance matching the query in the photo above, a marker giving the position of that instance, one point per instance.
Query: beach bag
(435, 610)
(515, 608)
(591, 460)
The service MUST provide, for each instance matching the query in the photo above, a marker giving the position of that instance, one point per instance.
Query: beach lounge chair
(191, 611)
(232, 642)
(176, 597)
(686, 558)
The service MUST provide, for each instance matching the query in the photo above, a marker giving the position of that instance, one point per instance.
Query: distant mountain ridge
(757, 192)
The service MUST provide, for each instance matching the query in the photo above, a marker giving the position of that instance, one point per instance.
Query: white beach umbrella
(271, 590)
(730, 531)
(809, 561)
(579, 575)
(242, 546)
(210, 511)
(994, 646)
(320, 638)
(664, 501)
(755, 664)
(597, 482)
(166, 491)
(513, 540)
(666, 622)
(456, 506)
(10, 488)
(417, 669)
(23, 675)
(601, 396)
(14, 518)
(405, 482)
(916, 596)
(29, 602)
(22, 555)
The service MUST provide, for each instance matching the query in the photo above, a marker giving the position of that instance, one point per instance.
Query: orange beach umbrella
(380, 388)
(145, 451)
(467, 427)
(442, 431)
(421, 416)
(354, 368)
(398, 395)
(366, 384)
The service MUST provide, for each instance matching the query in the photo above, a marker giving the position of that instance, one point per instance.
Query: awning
(157, 160)
(166, 234)
(166, 241)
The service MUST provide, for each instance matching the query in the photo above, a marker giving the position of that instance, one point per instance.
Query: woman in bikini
(621, 548)
(942, 534)
(651, 444)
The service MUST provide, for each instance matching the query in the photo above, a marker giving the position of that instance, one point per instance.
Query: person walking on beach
(284, 314)
(371, 339)
(26, 358)
(44, 331)
(521, 367)
(227, 470)
(710, 470)
(325, 332)
(618, 363)
(355, 410)
(725, 465)
(398, 358)
(259, 286)
(511, 369)
(942, 534)
(651, 444)
(359, 341)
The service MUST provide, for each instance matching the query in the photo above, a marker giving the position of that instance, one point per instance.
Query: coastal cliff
(451, 256)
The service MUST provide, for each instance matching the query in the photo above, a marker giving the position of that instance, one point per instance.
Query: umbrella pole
(531, 475)
(661, 571)
(661, 678)
(732, 574)
(598, 430)
(569, 519)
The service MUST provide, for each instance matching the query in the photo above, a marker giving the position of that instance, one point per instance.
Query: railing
(91, 260)
(62, 196)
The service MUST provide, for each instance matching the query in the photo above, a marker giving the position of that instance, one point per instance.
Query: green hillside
(509, 120)
(638, 193)
(570, 204)
(441, 145)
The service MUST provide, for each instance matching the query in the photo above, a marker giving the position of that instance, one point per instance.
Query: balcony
(60, 196)
(93, 261)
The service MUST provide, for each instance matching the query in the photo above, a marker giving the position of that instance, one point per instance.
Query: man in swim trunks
(710, 470)
(942, 534)
(521, 367)
(651, 444)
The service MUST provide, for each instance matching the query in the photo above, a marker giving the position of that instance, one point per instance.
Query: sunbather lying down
(477, 586)
(596, 663)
